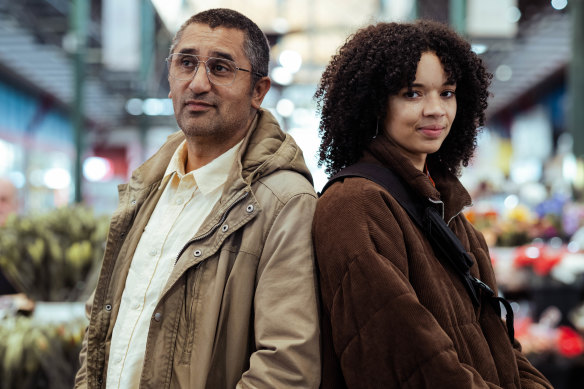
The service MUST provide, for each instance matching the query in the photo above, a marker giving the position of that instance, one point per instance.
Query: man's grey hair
(255, 43)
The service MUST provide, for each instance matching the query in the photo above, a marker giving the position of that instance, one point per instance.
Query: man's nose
(200, 81)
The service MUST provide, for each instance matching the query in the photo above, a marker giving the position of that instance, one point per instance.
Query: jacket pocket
(192, 292)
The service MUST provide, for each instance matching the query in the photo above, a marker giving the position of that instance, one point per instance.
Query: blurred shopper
(208, 279)
(408, 97)
(18, 302)
(8, 206)
(8, 199)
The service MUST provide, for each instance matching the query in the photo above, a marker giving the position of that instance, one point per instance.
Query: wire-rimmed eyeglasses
(220, 71)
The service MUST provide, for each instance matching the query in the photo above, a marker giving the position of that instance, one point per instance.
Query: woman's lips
(431, 131)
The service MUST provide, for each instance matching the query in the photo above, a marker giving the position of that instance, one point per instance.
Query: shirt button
(179, 201)
(158, 316)
(153, 252)
(137, 306)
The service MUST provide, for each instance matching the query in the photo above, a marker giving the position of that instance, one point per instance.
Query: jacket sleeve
(530, 377)
(286, 316)
(382, 335)
(81, 377)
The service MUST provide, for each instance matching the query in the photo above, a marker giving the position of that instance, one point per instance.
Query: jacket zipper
(206, 234)
(438, 202)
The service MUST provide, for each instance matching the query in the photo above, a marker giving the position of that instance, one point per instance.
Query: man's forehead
(198, 37)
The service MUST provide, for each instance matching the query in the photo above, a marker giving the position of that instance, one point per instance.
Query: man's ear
(259, 91)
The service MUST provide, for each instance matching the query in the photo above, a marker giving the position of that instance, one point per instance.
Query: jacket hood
(267, 148)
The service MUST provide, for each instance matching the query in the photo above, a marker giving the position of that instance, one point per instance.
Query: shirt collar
(208, 177)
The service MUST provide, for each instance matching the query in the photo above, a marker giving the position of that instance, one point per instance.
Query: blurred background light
(285, 107)
(479, 48)
(281, 75)
(57, 178)
(513, 14)
(559, 4)
(280, 25)
(134, 107)
(511, 201)
(153, 107)
(504, 73)
(17, 178)
(97, 169)
(291, 60)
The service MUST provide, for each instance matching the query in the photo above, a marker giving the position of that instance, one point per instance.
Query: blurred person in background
(208, 279)
(8, 199)
(409, 98)
(8, 206)
(11, 298)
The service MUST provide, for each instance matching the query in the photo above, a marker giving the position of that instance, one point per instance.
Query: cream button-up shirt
(182, 208)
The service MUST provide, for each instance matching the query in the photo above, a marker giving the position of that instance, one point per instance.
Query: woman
(409, 97)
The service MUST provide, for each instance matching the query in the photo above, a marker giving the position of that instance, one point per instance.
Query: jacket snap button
(224, 228)
(133, 202)
(197, 253)
(249, 208)
(157, 316)
(108, 307)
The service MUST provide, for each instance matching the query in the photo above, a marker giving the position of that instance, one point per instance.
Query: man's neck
(202, 150)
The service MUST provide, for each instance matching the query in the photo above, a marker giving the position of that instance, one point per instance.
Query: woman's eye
(411, 94)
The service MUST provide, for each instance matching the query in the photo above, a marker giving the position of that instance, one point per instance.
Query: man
(8, 199)
(208, 277)
(8, 206)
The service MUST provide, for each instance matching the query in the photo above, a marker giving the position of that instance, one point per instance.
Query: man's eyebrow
(221, 54)
(217, 54)
(188, 51)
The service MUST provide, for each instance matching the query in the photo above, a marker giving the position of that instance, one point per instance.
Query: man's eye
(411, 94)
(220, 67)
(188, 62)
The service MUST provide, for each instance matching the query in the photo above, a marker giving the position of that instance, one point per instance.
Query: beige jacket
(240, 306)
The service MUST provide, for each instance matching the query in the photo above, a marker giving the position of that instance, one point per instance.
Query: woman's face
(419, 118)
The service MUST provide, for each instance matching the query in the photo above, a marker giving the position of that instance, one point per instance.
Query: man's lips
(197, 105)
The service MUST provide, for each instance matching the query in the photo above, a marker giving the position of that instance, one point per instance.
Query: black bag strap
(444, 241)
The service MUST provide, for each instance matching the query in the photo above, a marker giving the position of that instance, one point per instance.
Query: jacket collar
(448, 191)
(265, 149)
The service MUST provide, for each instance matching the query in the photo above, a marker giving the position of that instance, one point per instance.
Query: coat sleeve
(382, 335)
(81, 377)
(286, 313)
(530, 377)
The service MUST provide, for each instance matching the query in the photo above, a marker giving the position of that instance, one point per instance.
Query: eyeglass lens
(220, 71)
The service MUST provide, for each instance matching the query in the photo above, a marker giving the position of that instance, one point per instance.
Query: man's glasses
(220, 71)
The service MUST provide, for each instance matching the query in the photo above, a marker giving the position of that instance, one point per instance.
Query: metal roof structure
(34, 40)
(542, 48)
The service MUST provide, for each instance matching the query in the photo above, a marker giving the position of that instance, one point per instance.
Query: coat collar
(448, 190)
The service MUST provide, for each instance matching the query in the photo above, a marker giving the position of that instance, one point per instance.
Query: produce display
(53, 256)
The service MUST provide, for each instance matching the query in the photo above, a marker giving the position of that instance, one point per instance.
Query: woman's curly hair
(376, 62)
